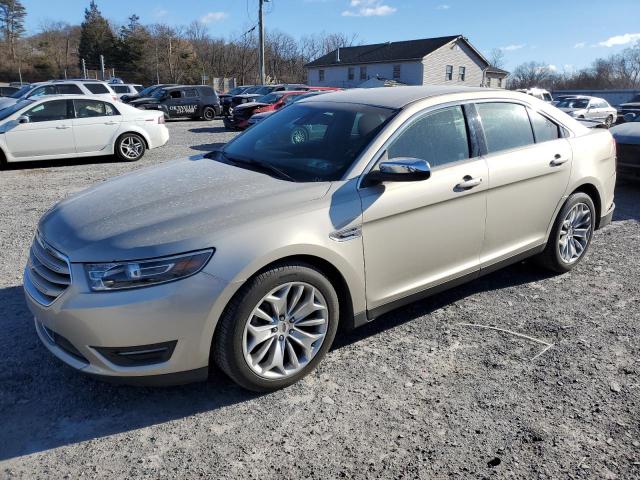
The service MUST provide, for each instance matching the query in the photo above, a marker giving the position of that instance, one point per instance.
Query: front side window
(45, 90)
(439, 137)
(92, 108)
(321, 75)
(351, 73)
(310, 141)
(505, 125)
(96, 88)
(49, 111)
(175, 94)
(120, 88)
(449, 73)
(544, 129)
(462, 73)
(363, 73)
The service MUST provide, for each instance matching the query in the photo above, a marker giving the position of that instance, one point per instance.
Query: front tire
(277, 328)
(130, 147)
(208, 113)
(571, 234)
(609, 121)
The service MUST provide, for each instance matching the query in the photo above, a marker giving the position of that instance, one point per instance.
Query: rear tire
(571, 234)
(208, 113)
(609, 121)
(130, 147)
(236, 349)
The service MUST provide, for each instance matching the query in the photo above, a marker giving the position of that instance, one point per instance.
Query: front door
(47, 134)
(95, 126)
(420, 234)
(529, 172)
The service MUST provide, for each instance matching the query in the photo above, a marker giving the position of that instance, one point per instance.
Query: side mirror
(629, 117)
(401, 169)
(23, 119)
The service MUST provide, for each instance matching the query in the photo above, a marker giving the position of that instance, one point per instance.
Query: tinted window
(506, 125)
(175, 94)
(45, 90)
(48, 111)
(206, 91)
(311, 142)
(120, 88)
(92, 108)
(69, 89)
(96, 88)
(439, 137)
(573, 103)
(190, 92)
(544, 128)
(138, 88)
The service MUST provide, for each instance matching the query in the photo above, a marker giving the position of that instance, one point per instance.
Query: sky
(564, 34)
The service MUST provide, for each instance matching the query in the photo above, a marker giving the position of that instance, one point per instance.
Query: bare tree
(497, 58)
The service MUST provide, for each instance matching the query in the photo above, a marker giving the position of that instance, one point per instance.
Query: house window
(321, 75)
(449, 73)
(462, 73)
(351, 73)
(488, 81)
(396, 71)
(500, 82)
(363, 73)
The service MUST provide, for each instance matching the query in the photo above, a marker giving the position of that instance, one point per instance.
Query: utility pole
(261, 40)
(84, 69)
(102, 67)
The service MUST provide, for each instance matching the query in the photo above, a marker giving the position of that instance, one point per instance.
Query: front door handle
(468, 182)
(111, 123)
(558, 160)
(62, 127)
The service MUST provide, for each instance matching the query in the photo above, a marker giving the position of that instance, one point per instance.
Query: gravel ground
(415, 394)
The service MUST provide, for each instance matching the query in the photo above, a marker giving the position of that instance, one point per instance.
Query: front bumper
(235, 123)
(80, 322)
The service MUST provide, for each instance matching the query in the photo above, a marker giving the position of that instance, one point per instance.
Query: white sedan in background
(56, 127)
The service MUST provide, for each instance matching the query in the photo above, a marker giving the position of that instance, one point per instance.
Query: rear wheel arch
(591, 190)
(141, 135)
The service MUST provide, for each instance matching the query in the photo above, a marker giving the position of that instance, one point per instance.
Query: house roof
(386, 52)
(492, 69)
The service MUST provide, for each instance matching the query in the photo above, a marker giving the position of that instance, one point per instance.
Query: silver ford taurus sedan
(336, 209)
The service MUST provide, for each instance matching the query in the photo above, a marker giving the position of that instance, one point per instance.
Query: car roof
(397, 97)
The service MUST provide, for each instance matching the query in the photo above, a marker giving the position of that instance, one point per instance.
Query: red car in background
(267, 103)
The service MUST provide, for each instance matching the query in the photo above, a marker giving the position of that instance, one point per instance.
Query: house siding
(436, 63)
(337, 76)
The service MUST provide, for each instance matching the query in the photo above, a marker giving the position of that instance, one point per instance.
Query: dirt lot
(413, 395)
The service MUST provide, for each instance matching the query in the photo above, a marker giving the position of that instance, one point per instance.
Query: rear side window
(69, 89)
(96, 88)
(206, 91)
(93, 108)
(439, 137)
(120, 88)
(190, 92)
(544, 129)
(505, 125)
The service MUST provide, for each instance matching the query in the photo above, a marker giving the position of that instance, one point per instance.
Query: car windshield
(310, 142)
(573, 103)
(7, 112)
(236, 91)
(23, 91)
(635, 99)
(269, 98)
(252, 90)
(147, 91)
(264, 90)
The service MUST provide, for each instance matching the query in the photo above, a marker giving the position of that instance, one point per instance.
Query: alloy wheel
(131, 147)
(285, 330)
(575, 233)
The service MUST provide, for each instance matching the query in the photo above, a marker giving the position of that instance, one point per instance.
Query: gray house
(429, 61)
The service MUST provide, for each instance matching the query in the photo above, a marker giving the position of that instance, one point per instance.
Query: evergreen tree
(132, 42)
(96, 38)
(12, 14)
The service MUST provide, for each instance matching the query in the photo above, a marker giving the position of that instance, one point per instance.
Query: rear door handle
(469, 182)
(111, 123)
(62, 127)
(558, 160)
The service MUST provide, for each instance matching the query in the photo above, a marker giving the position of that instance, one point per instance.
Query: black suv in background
(183, 101)
(146, 92)
(225, 98)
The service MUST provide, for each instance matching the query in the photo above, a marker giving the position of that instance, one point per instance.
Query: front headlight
(134, 274)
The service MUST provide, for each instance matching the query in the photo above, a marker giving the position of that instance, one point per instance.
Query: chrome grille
(48, 272)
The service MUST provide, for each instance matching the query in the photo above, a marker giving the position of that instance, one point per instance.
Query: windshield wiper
(259, 166)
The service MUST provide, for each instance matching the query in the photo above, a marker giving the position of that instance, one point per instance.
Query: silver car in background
(251, 256)
(589, 108)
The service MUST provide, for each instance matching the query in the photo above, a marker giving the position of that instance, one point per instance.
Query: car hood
(248, 95)
(628, 133)
(249, 105)
(630, 105)
(263, 115)
(139, 101)
(7, 102)
(177, 207)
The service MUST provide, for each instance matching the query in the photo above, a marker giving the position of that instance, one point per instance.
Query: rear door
(95, 126)
(47, 134)
(174, 104)
(529, 166)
